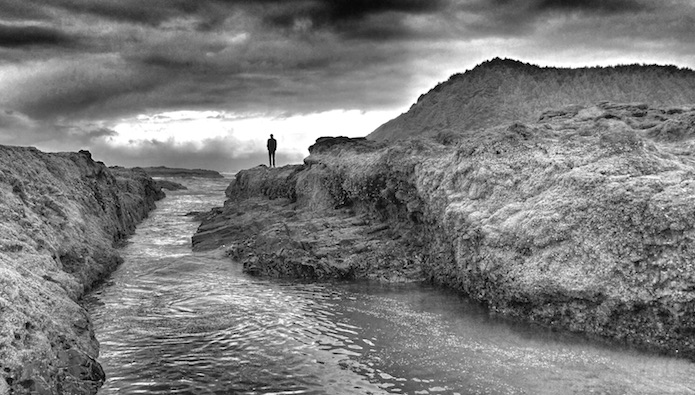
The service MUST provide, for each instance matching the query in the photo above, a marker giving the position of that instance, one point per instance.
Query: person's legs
(273, 155)
(270, 158)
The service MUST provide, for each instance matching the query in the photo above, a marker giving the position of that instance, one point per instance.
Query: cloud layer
(72, 68)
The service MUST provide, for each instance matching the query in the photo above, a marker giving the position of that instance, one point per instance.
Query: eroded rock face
(584, 220)
(61, 215)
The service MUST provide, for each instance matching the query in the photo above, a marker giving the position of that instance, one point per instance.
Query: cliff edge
(61, 217)
(582, 220)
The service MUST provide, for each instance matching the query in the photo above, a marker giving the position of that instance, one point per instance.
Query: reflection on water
(173, 321)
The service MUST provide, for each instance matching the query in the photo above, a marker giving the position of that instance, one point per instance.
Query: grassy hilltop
(500, 91)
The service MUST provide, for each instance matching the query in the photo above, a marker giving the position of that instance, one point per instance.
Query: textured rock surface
(584, 220)
(61, 215)
(265, 226)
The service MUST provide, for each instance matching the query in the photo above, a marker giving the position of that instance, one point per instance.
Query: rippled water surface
(171, 321)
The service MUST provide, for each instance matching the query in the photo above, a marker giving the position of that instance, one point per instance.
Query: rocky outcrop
(583, 220)
(284, 223)
(170, 185)
(61, 217)
(502, 91)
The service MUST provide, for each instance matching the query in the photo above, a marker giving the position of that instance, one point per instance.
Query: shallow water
(171, 321)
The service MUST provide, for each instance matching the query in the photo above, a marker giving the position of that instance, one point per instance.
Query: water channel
(171, 321)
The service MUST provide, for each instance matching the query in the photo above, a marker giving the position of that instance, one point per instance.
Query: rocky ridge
(61, 217)
(501, 91)
(582, 220)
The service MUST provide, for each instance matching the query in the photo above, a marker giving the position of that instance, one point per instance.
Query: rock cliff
(582, 220)
(61, 217)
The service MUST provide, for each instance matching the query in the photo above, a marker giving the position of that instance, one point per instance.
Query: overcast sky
(202, 83)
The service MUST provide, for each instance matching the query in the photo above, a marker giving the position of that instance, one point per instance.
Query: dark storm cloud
(12, 122)
(338, 10)
(22, 36)
(338, 15)
(592, 6)
(293, 56)
(521, 18)
(247, 70)
(19, 129)
(127, 68)
(99, 133)
(327, 13)
(85, 87)
(22, 10)
(151, 12)
(377, 20)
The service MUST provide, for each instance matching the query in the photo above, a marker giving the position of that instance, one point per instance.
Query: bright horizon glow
(244, 135)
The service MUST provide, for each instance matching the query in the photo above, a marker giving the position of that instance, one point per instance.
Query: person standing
(272, 145)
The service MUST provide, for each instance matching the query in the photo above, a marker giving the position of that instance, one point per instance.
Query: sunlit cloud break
(228, 139)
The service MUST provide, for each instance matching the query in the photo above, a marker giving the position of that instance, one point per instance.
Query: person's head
(271, 136)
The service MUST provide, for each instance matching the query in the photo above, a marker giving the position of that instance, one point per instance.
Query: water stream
(171, 321)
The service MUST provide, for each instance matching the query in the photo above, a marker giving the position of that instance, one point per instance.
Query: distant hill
(502, 91)
(162, 171)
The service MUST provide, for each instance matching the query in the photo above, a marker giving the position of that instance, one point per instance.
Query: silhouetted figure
(272, 145)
